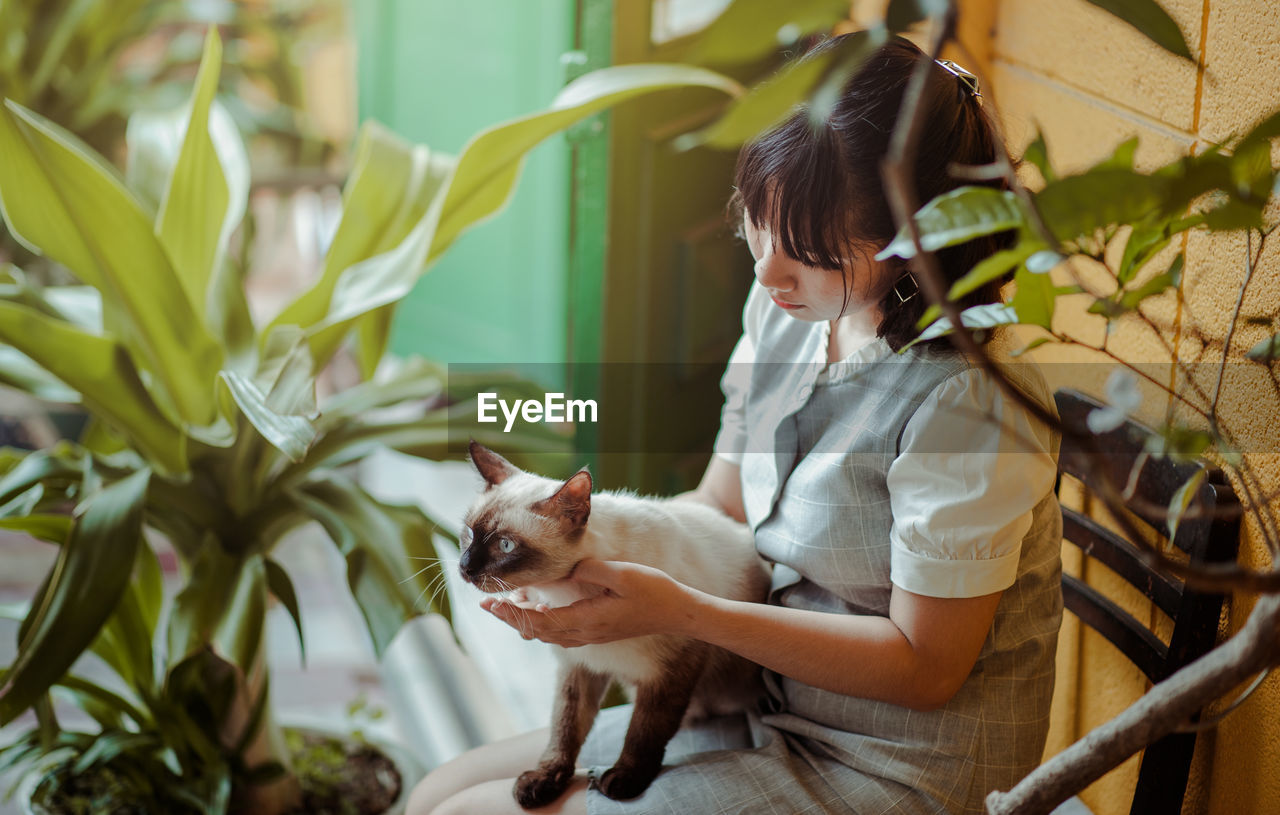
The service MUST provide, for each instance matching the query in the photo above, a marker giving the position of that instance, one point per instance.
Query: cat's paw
(623, 783)
(540, 787)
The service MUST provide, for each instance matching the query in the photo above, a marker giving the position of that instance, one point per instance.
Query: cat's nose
(468, 565)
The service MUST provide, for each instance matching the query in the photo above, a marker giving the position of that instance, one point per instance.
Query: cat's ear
(571, 503)
(493, 468)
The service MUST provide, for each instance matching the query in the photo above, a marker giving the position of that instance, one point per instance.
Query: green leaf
(370, 285)
(1043, 261)
(1079, 205)
(291, 435)
(101, 370)
(988, 269)
(61, 199)
(1037, 153)
(1121, 158)
(192, 161)
(81, 591)
(1151, 20)
(1034, 299)
(415, 378)
(958, 216)
(61, 463)
(286, 374)
(1233, 214)
(1148, 237)
(769, 102)
(375, 541)
(1182, 444)
(1266, 351)
(374, 334)
(490, 163)
(17, 370)
(125, 641)
(282, 588)
(198, 212)
(1155, 286)
(753, 29)
(388, 193)
(1182, 499)
(1035, 343)
(51, 528)
(221, 613)
(111, 744)
(104, 705)
(440, 434)
(988, 315)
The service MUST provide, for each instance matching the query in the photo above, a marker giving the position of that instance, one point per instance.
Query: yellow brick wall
(1088, 82)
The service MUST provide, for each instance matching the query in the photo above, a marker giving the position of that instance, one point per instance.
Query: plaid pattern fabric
(814, 456)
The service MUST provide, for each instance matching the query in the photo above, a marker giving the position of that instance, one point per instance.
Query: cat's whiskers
(437, 585)
(434, 588)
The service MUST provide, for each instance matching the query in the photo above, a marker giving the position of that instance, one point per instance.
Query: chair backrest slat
(1122, 458)
(1142, 647)
(1121, 557)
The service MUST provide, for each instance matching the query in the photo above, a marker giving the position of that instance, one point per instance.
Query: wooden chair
(1163, 773)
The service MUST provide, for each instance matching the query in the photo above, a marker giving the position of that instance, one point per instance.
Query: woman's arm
(720, 488)
(918, 657)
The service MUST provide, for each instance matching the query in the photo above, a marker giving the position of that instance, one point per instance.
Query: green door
(614, 254)
(437, 72)
(650, 232)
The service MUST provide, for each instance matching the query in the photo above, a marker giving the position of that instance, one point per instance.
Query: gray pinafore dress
(819, 445)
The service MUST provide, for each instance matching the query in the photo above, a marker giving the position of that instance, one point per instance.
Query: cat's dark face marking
(492, 551)
(524, 528)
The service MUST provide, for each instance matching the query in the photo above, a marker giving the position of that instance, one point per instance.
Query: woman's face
(807, 292)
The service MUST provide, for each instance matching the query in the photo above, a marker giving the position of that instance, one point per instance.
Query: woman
(906, 503)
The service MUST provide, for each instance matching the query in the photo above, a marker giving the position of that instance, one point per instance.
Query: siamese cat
(526, 533)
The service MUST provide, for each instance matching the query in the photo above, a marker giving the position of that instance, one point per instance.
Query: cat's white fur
(694, 543)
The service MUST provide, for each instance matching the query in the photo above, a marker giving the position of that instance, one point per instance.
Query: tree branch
(1164, 709)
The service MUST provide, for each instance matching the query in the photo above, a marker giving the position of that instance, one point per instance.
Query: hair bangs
(789, 183)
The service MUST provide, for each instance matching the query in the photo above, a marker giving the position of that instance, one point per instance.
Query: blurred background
(612, 267)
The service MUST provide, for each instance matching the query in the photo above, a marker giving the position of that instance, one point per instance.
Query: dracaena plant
(204, 429)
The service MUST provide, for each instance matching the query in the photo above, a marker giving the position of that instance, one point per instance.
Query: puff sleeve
(972, 465)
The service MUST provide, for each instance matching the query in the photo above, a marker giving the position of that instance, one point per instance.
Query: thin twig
(1250, 265)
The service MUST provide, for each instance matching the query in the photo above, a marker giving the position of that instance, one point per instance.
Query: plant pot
(408, 766)
(410, 769)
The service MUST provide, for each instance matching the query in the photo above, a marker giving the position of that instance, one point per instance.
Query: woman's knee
(502, 759)
(495, 798)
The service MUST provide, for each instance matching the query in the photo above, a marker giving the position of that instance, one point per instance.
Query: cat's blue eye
(466, 535)
(507, 545)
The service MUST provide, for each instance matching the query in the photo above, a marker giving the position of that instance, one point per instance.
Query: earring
(908, 291)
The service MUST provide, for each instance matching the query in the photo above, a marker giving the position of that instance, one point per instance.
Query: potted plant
(204, 429)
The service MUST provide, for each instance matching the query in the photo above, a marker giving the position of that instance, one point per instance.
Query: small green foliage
(1153, 21)
(1035, 299)
(1037, 153)
(1181, 500)
(1266, 351)
(1179, 443)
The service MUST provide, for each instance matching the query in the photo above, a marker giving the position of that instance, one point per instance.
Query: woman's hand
(636, 601)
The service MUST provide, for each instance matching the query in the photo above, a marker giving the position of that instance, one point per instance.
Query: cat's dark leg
(576, 707)
(660, 706)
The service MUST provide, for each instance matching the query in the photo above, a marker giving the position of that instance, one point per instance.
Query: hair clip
(966, 78)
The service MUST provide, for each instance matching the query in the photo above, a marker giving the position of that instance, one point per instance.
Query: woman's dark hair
(819, 185)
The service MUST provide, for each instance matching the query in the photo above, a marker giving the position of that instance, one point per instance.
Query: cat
(526, 533)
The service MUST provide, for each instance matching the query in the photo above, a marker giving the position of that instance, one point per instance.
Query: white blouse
(972, 465)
